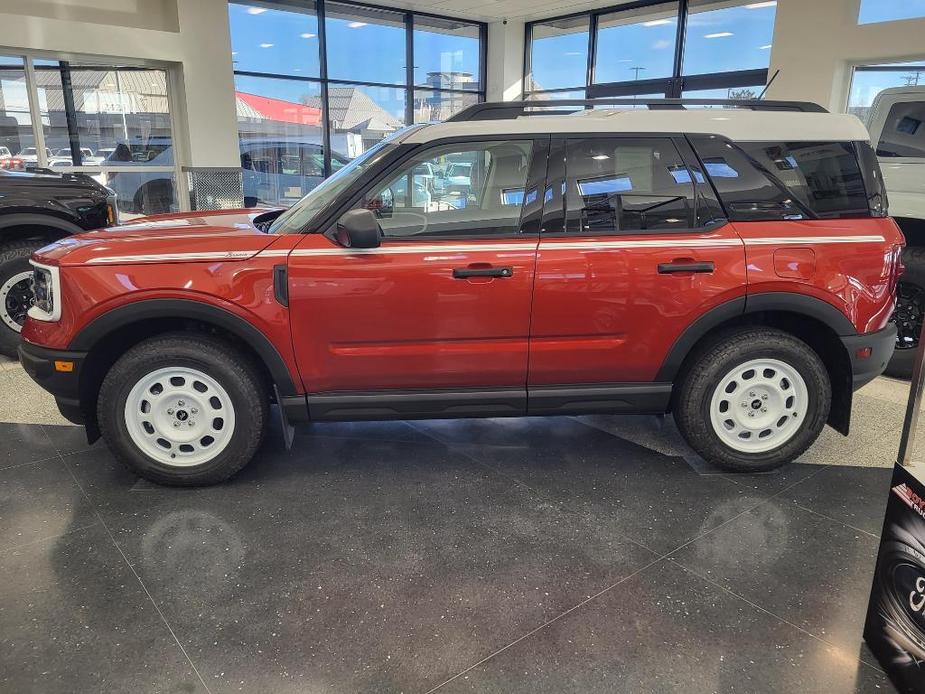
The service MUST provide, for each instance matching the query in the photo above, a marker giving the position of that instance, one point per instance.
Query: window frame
(702, 193)
(530, 213)
(407, 85)
(673, 86)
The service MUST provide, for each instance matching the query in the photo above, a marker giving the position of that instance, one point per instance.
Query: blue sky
(890, 10)
(286, 42)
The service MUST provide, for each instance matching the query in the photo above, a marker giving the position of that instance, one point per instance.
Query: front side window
(471, 189)
(627, 185)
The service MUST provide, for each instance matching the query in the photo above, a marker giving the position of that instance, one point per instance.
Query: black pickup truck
(36, 209)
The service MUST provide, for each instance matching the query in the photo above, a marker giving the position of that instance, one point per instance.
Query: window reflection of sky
(604, 185)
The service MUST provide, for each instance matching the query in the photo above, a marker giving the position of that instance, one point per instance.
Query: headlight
(46, 284)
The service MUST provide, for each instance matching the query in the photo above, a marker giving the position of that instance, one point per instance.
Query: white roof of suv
(736, 124)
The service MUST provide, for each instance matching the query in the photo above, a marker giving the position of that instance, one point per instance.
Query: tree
(742, 94)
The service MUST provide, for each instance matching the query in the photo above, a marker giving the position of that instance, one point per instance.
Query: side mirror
(358, 229)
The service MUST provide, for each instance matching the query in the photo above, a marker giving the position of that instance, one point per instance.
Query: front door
(633, 250)
(437, 318)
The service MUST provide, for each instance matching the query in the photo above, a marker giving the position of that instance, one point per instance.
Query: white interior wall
(816, 42)
(189, 36)
(505, 61)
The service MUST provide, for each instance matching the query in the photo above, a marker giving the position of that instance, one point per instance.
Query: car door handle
(669, 268)
(461, 273)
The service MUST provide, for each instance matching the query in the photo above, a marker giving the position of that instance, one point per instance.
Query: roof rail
(506, 110)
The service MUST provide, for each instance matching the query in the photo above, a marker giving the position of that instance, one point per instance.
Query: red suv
(733, 266)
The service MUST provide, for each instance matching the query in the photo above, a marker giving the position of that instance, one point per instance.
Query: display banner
(895, 629)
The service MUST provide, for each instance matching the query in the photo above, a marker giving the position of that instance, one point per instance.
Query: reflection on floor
(521, 555)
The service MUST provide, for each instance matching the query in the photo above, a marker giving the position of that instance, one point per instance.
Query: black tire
(14, 260)
(909, 312)
(230, 367)
(691, 404)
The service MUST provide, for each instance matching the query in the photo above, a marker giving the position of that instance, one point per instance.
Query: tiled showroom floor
(546, 555)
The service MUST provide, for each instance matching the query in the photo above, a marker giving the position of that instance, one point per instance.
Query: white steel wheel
(759, 405)
(15, 300)
(179, 416)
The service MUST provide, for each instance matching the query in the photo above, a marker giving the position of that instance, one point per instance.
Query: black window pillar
(70, 112)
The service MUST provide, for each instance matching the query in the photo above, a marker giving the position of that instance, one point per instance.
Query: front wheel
(16, 295)
(753, 400)
(183, 410)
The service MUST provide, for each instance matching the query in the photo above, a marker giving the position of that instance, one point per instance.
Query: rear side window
(785, 180)
(904, 131)
(615, 185)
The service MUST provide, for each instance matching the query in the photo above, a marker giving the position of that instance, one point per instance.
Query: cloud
(662, 44)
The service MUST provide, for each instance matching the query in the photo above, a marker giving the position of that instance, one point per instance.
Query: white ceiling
(493, 11)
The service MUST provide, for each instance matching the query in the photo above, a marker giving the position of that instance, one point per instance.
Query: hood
(221, 235)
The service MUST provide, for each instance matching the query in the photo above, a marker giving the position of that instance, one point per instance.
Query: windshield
(300, 215)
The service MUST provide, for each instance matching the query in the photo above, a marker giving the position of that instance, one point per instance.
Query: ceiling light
(656, 23)
(719, 35)
(761, 5)
(600, 157)
(266, 45)
(256, 10)
(356, 25)
(307, 36)
(234, 52)
(764, 48)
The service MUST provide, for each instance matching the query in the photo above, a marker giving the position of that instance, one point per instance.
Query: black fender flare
(18, 219)
(742, 306)
(179, 309)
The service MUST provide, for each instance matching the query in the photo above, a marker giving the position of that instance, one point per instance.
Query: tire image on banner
(895, 629)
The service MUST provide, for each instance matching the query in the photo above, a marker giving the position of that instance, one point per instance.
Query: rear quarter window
(785, 180)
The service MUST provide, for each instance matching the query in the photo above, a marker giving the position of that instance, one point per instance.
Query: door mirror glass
(358, 229)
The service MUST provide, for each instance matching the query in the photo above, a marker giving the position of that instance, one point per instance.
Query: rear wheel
(183, 410)
(753, 400)
(15, 291)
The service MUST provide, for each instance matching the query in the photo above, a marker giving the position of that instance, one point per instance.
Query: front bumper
(49, 368)
(881, 345)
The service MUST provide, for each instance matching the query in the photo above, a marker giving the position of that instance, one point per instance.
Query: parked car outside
(275, 171)
(735, 268)
(63, 157)
(35, 210)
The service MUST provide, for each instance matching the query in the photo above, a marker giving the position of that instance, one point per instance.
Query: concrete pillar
(505, 61)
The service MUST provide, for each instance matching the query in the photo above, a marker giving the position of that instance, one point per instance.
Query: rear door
(442, 305)
(633, 250)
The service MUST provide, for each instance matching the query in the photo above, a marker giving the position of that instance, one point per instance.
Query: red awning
(283, 111)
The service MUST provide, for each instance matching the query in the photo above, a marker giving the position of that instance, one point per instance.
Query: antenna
(768, 85)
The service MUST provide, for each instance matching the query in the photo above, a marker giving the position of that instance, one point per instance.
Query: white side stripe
(497, 247)
(792, 240)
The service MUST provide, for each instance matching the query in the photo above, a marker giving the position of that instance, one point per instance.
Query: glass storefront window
(558, 54)
(280, 131)
(370, 90)
(365, 44)
(636, 44)
(122, 115)
(737, 93)
(873, 11)
(281, 38)
(15, 117)
(435, 106)
(866, 84)
(361, 116)
(446, 53)
(721, 38)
